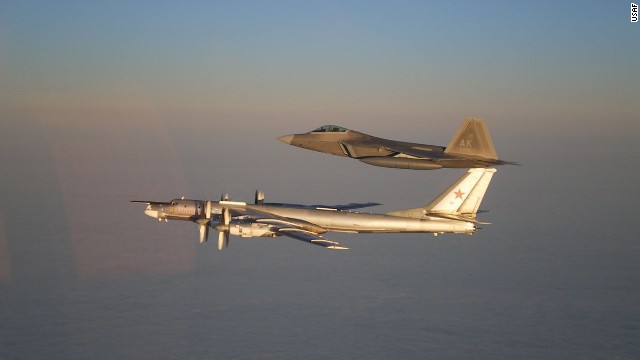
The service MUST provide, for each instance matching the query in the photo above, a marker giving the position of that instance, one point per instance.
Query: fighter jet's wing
(474, 144)
(435, 153)
(289, 227)
(418, 151)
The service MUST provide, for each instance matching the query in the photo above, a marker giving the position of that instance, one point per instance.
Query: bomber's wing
(289, 227)
(150, 202)
(349, 206)
(310, 237)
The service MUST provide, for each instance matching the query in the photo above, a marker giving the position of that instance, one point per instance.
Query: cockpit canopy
(331, 128)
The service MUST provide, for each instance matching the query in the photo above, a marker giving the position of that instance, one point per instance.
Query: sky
(346, 59)
(102, 103)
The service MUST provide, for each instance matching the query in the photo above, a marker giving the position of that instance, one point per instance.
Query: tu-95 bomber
(453, 211)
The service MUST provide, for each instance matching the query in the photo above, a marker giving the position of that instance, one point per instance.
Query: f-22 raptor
(453, 211)
(470, 147)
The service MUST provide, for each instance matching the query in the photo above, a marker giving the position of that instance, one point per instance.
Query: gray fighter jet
(471, 147)
(453, 211)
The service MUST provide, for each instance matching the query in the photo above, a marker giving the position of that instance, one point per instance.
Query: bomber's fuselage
(346, 221)
(331, 220)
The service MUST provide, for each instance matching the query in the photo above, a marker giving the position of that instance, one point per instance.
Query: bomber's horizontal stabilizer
(457, 217)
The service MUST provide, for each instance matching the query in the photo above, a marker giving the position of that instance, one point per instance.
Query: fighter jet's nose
(286, 139)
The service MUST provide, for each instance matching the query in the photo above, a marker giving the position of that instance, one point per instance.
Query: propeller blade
(223, 229)
(226, 218)
(204, 232)
(259, 199)
(223, 240)
(207, 211)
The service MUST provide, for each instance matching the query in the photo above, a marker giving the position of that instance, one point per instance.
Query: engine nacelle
(250, 230)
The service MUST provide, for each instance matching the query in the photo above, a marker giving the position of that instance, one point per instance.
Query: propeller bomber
(453, 211)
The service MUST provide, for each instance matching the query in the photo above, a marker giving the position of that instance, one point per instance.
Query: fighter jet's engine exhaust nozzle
(400, 163)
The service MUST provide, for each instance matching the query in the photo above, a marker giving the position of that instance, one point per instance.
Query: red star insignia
(459, 194)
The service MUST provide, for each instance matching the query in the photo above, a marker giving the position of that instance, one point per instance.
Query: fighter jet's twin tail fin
(472, 139)
(460, 201)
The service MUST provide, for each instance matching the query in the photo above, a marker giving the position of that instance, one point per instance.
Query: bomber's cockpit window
(330, 128)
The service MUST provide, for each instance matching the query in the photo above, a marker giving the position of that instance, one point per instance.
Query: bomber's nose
(286, 139)
(149, 211)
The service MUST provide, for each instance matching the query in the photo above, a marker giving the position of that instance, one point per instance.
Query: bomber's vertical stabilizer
(471, 204)
(472, 138)
(461, 199)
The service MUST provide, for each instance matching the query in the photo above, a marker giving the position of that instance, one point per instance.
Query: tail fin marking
(472, 138)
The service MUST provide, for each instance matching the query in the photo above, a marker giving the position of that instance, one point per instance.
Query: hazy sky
(106, 102)
(403, 61)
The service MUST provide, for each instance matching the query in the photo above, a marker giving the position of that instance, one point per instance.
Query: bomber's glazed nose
(152, 213)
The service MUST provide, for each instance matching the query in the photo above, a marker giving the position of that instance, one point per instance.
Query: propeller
(223, 228)
(259, 199)
(204, 225)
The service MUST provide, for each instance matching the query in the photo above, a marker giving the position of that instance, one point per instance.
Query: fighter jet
(471, 147)
(453, 211)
